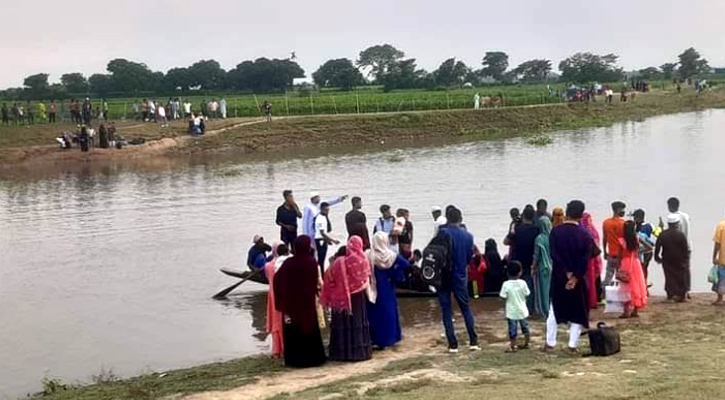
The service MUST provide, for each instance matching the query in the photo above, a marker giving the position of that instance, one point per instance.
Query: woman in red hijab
(295, 292)
(595, 264)
(344, 293)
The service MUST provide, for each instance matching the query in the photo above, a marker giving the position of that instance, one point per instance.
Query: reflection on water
(112, 265)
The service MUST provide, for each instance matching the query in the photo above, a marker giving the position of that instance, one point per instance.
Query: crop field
(345, 102)
(364, 100)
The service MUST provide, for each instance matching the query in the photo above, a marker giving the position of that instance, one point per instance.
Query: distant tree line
(382, 65)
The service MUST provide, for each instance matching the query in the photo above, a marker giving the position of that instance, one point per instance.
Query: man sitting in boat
(257, 255)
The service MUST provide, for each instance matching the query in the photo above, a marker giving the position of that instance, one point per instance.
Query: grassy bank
(23, 145)
(673, 351)
(412, 127)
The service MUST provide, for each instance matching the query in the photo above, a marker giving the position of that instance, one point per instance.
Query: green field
(364, 100)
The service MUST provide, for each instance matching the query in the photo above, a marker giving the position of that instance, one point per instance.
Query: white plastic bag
(616, 298)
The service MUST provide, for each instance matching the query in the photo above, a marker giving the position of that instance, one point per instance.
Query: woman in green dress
(541, 268)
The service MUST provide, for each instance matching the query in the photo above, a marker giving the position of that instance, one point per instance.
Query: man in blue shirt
(257, 255)
(461, 252)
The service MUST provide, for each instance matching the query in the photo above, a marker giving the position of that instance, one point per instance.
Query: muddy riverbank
(672, 351)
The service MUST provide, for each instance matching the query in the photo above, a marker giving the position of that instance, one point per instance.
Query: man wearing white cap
(312, 209)
(438, 219)
(673, 252)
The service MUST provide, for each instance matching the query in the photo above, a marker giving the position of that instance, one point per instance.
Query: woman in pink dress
(631, 274)
(280, 253)
(595, 264)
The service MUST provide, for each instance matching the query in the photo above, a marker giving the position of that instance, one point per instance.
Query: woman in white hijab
(388, 268)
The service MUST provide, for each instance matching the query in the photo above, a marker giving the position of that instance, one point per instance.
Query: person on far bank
(52, 112)
(718, 258)
(5, 114)
(356, 222)
(438, 219)
(312, 209)
(456, 284)
(515, 291)
(571, 249)
(613, 234)
(287, 215)
(267, 110)
(223, 108)
(323, 240)
(673, 252)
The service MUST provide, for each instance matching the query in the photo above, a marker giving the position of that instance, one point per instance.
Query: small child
(515, 290)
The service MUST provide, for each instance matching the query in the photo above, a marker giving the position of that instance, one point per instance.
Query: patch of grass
(398, 388)
(218, 376)
(409, 364)
(540, 140)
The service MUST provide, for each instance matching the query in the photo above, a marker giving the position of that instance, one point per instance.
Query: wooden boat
(401, 292)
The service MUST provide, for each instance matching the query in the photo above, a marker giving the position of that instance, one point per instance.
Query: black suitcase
(604, 340)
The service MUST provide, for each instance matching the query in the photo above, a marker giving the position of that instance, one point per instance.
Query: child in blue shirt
(515, 291)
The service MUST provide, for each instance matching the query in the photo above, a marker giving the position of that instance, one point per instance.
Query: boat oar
(228, 290)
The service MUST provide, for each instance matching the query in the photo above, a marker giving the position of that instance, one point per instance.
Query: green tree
(338, 73)
(264, 75)
(130, 77)
(379, 59)
(177, 78)
(402, 74)
(451, 73)
(495, 64)
(668, 70)
(208, 74)
(588, 67)
(533, 70)
(74, 83)
(36, 85)
(649, 73)
(691, 64)
(101, 84)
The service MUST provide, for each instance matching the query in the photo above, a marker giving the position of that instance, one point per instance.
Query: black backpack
(435, 266)
(604, 340)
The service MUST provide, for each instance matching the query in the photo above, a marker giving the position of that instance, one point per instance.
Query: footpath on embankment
(24, 146)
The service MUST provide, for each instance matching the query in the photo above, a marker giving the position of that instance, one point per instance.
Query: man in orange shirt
(612, 232)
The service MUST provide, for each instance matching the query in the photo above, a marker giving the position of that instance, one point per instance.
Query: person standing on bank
(385, 224)
(541, 268)
(323, 240)
(438, 219)
(672, 251)
(673, 205)
(718, 258)
(461, 252)
(541, 211)
(594, 272)
(280, 254)
(522, 241)
(287, 215)
(388, 269)
(571, 249)
(343, 292)
(613, 233)
(295, 293)
(312, 209)
(645, 232)
(356, 222)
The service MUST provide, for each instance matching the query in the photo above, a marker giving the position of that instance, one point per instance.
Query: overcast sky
(55, 37)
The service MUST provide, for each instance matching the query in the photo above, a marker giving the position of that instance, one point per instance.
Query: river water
(113, 267)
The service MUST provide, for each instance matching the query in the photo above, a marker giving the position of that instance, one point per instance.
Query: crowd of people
(553, 270)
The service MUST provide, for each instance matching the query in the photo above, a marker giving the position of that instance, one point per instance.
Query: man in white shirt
(312, 209)
(187, 109)
(438, 219)
(323, 227)
(223, 108)
(386, 223)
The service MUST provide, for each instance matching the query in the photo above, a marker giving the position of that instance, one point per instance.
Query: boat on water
(401, 291)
